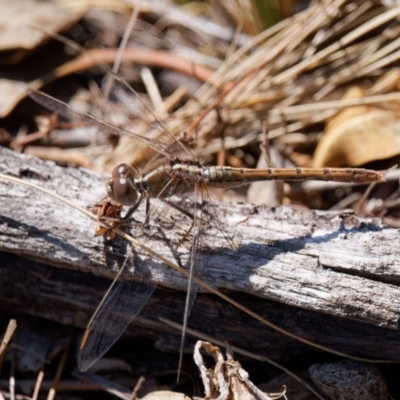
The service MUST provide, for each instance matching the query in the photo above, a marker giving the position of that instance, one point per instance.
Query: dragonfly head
(120, 187)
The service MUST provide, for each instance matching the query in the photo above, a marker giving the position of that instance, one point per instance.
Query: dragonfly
(178, 173)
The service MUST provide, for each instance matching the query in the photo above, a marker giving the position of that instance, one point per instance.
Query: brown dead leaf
(18, 20)
(21, 24)
(358, 135)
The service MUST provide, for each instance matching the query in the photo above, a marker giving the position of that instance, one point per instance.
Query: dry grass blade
(122, 47)
(53, 391)
(38, 383)
(11, 327)
(137, 387)
(332, 105)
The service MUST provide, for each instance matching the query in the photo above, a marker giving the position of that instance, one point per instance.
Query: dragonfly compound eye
(121, 190)
(121, 170)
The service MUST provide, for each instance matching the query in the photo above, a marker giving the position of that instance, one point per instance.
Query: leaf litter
(344, 50)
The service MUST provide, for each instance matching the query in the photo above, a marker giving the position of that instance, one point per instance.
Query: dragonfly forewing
(64, 110)
(120, 305)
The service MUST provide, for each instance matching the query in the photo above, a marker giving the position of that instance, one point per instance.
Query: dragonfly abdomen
(356, 175)
(226, 177)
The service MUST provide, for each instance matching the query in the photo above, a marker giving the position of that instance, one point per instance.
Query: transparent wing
(63, 109)
(196, 264)
(176, 192)
(130, 99)
(120, 305)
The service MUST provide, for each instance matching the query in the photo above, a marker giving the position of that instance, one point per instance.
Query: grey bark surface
(338, 271)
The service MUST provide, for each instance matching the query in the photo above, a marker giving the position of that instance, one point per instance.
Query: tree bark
(328, 276)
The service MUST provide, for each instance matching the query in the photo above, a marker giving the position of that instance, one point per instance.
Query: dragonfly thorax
(121, 187)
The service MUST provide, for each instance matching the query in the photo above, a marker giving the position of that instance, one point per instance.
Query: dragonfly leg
(179, 208)
(146, 220)
(133, 209)
(185, 212)
(185, 235)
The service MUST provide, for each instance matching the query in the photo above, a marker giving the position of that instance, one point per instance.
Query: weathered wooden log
(339, 271)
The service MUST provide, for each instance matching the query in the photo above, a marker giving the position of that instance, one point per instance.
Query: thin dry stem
(38, 384)
(60, 368)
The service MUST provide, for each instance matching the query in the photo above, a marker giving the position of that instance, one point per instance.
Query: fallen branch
(335, 264)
